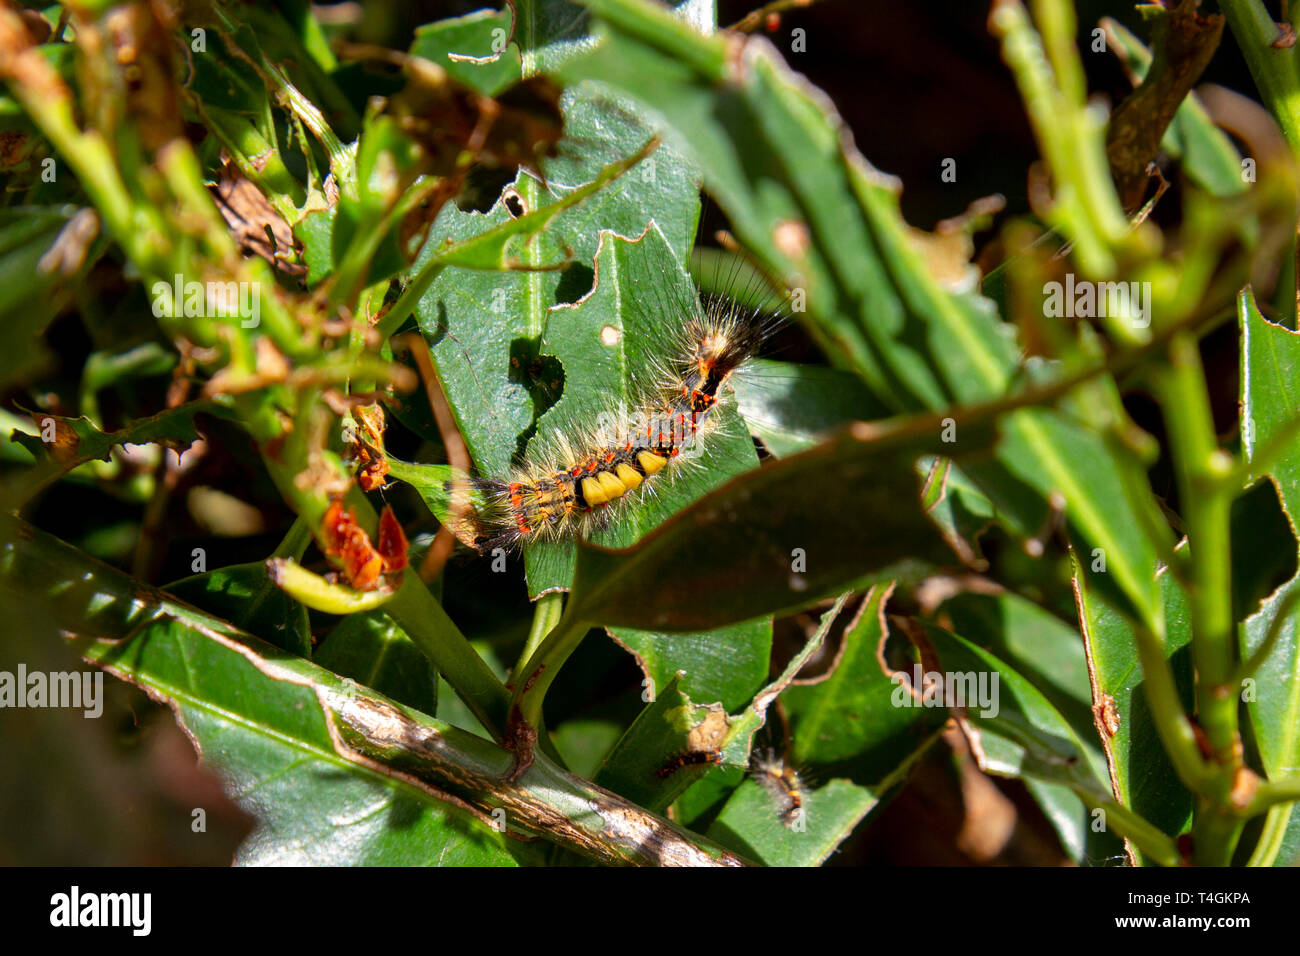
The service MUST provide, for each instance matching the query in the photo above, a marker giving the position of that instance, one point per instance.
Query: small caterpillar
(690, 758)
(779, 779)
(566, 486)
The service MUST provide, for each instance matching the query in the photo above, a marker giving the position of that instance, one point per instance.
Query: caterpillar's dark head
(722, 339)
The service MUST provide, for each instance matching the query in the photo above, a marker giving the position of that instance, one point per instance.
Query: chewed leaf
(483, 326)
(1270, 358)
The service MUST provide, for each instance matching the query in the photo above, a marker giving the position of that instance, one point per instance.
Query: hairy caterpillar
(690, 758)
(572, 480)
(779, 779)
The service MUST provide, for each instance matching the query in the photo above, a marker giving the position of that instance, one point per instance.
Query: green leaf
(1273, 712)
(848, 724)
(316, 233)
(74, 441)
(335, 773)
(374, 651)
(1055, 456)
(663, 729)
(1020, 734)
(751, 823)
(30, 277)
(1270, 400)
(726, 664)
(1039, 645)
(640, 296)
(708, 794)
(1270, 404)
(484, 327)
(243, 595)
(751, 820)
(1049, 654)
(433, 483)
(266, 723)
(961, 510)
(793, 407)
(1142, 776)
(78, 439)
(83, 786)
(774, 152)
(464, 47)
(550, 32)
(302, 52)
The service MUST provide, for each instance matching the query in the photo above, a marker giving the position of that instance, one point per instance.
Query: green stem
(1070, 134)
(255, 159)
(1172, 725)
(1147, 837)
(1272, 837)
(535, 677)
(184, 177)
(1215, 835)
(1271, 792)
(420, 615)
(295, 540)
(411, 295)
(414, 609)
(1200, 467)
(546, 614)
(291, 98)
(352, 272)
(1273, 69)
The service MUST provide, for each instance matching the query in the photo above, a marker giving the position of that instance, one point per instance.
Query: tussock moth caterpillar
(779, 779)
(690, 758)
(575, 478)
